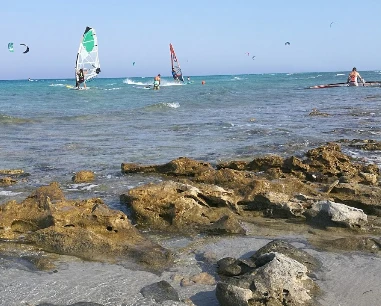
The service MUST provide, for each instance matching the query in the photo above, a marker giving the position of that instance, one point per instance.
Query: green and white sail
(87, 56)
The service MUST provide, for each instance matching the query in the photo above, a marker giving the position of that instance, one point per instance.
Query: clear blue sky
(209, 36)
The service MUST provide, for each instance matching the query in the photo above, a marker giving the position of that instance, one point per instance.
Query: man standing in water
(156, 82)
(353, 76)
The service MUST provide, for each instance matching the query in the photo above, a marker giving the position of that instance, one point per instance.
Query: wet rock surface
(87, 229)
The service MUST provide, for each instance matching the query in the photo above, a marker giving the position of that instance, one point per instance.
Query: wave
(81, 187)
(114, 88)
(59, 84)
(163, 105)
(9, 119)
(131, 82)
(164, 83)
(9, 193)
(338, 74)
(170, 83)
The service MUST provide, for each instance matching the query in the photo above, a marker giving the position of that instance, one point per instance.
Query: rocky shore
(330, 200)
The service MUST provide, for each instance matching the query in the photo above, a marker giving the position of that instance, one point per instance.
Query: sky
(210, 37)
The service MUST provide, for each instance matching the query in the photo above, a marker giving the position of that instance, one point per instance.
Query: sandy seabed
(345, 278)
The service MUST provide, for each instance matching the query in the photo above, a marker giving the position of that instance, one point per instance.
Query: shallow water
(51, 132)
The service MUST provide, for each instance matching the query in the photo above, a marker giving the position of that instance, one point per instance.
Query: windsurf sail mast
(87, 56)
(175, 65)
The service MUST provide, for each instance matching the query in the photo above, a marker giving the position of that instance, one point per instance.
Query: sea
(51, 131)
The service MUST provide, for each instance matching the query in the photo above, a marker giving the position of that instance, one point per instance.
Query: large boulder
(277, 280)
(327, 212)
(360, 196)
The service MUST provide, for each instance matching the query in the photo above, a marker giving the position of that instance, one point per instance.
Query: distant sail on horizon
(87, 56)
(176, 70)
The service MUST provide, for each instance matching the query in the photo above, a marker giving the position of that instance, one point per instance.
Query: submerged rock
(160, 292)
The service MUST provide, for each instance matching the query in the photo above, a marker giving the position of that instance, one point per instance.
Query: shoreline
(349, 256)
(344, 278)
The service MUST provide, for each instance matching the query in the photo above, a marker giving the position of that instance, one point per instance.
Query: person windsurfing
(156, 82)
(174, 75)
(353, 78)
(80, 78)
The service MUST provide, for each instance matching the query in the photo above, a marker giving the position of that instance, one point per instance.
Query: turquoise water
(51, 131)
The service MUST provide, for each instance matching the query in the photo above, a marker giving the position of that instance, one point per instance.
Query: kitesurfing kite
(330, 25)
(27, 48)
(133, 63)
(10, 47)
(287, 43)
(248, 54)
(253, 57)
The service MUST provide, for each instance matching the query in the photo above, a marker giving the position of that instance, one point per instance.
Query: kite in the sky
(27, 48)
(330, 25)
(133, 64)
(253, 57)
(10, 47)
(248, 54)
(287, 43)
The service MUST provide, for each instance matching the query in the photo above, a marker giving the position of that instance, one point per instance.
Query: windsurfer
(174, 74)
(353, 76)
(156, 82)
(80, 78)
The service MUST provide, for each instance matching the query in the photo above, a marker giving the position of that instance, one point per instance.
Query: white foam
(82, 186)
(172, 104)
(9, 193)
(131, 82)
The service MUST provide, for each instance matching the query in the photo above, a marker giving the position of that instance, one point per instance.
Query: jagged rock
(285, 248)
(11, 171)
(182, 166)
(229, 266)
(88, 229)
(278, 205)
(324, 212)
(276, 280)
(265, 163)
(7, 181)
(83, 176)
(365, 197)
(182, 207)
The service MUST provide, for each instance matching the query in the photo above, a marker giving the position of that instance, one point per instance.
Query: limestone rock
(83, 176)
(337, 213)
